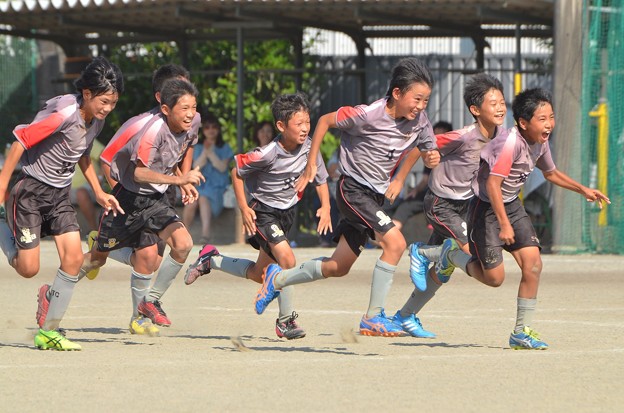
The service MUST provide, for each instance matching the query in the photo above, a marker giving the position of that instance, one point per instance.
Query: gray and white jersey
(511, 157)
(56, 140)
(460, 152)
(372, 144)
(157, 148)
(270, 172)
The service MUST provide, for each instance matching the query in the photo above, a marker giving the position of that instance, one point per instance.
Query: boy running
(497, 219)
(375, 138)
(268, 173)
(48, 149)
(446, 201)
(144, 168)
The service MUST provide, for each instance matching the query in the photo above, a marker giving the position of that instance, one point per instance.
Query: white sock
(169, 269)
(305, 273)
(122, 255)
(524, 315)
(380, 287)
(233, 266)
(139, 286)
(60, 295)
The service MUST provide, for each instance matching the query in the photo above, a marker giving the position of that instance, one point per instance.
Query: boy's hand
(110, 204)
(393, 191)
(249, 221)
(193, 177)
(306, 177)
(324, 225)
(593, 195)
(431, 158)
(189, 194)
(507, 234)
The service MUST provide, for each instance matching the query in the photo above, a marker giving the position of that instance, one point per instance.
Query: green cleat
(54, 340)
(91, 240)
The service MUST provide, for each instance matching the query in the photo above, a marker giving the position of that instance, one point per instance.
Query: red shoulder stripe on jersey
(245, 159)
(346, 112)
(502, 167)
(147, 142)
(444, 139)
(34, 133)
(124, 137)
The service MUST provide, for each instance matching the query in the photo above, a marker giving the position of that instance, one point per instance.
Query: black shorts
(145, 216)
(484, 230)
(35, 209)
(361, 214)
(447, 217)
(272, 225)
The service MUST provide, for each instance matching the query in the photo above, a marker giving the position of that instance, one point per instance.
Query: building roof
(123, 21)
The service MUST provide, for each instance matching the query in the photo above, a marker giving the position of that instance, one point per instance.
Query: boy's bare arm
(248, 215)
(561, 179)
(323, 213)
(495, 194)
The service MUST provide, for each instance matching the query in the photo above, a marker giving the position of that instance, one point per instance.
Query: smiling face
(408, 105)
(493, 109)
(540, 126)
(295, 130)
(180, 116)
(98, 106)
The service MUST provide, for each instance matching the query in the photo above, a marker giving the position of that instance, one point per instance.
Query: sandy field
(219, 356)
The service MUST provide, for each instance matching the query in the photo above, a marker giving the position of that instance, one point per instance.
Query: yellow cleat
(91, 240)
(54, 340)
(143, 326)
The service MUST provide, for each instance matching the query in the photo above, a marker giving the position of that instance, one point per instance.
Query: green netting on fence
(18, 97)
(603, 121)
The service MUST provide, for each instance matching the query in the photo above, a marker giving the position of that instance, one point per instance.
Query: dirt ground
(219, 356)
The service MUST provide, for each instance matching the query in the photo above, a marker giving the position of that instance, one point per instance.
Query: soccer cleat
(154, 312)
(43, 303)
(528, 339)
(444, 268)
(380, 325)
(267, 292)
(419, 265)
(143, 326)
(289, 329)
(91, 240)
(202, 265)
(54, 340)
(412, 325)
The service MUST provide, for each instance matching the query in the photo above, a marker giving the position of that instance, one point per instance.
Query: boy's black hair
(173, 89)
(166, 72)
(285, 106)
(407, 72)
(442, 124)
(100, 76)
(477, 87)
(527, 102)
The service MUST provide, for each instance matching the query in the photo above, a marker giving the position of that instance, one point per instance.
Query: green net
(603, 121)
(18, 95)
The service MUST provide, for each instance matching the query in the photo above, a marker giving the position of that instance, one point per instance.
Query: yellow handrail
(601, 113)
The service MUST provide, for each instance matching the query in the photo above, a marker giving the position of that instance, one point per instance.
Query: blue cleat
(419, 265)
(380, 325)
(444, 268)
(412, 326)
(528, 339)
(267, 292)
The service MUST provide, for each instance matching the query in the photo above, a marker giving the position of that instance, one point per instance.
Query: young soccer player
(374, 140)
(48, 149)
(151, 311)
(446, 201)
(269, 173)
(144, 168)
(497, 219)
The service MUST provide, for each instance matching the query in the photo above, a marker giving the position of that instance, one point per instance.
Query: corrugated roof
(107, 21)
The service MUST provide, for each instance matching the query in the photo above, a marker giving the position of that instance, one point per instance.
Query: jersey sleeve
(426, 138)
(125, 133)
(450, 141)
(49, 120)
(349, 117)
(149, 143)
(255, 160)
(545, 162)
(321, 171)
(501, 155)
